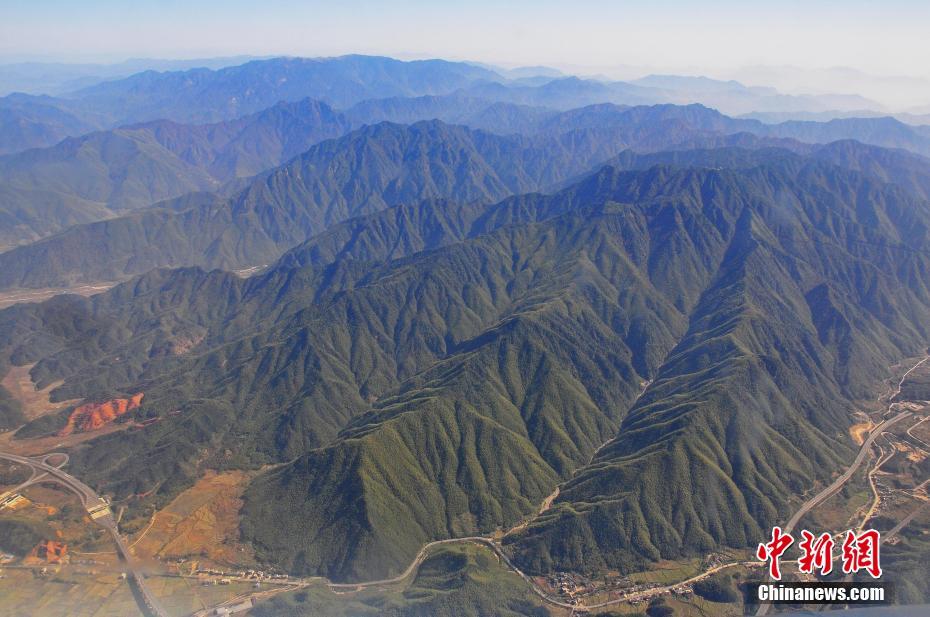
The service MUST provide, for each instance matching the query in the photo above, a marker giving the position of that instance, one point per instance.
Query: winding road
(100, 513)
(836, 485)
(90, 499)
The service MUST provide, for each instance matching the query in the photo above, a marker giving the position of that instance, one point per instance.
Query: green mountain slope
(368, 170)
(432, 371)
(96, 176)
(806, 414)
(750, 406)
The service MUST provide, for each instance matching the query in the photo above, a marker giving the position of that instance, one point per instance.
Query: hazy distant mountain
(530, 72)
(507, 118)
(504, 118)
(732, 97)
(60, 78)
(202, 95)
(881, 131)
(205, 95)
(729, 97)
(457, 108)
(694, 84)
(885, 131)
(37, 122)
(567, 92)
(93, 177)
(289, 205)
(919, 121)
(370, 169)
(893, 91)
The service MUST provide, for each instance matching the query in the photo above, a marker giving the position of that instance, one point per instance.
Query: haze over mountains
(103, 174)
(99, 174)
(466, 290)
(200, 95)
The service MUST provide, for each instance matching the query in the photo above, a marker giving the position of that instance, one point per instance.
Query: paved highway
(498, 550)
(99, 510)
(89, 498)
(844, 478)
(817, 499)
(84, 492)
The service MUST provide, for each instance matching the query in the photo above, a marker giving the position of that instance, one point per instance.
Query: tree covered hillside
(436, 370)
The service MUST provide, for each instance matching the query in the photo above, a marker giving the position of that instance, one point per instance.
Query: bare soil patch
(18, 382)
(202, 523)
(20, 296)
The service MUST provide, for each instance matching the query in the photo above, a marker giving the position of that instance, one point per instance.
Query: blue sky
(716, 35)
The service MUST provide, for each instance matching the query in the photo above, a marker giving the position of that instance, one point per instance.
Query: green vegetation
(11, 410)
(675, 338)
(92, 177)
(433, 371)
(76, 184)
(915, 388)
(44, 425)
(456, 581)
(699, 450)
(718, 588)
(13, 474)
(368, 170)
(658, 608)
(18, 537)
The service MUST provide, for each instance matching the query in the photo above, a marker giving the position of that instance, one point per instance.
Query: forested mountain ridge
(744, 411)
(451, 366)
(99, 175)
(367, 170)
(37, 122)
(203, 95)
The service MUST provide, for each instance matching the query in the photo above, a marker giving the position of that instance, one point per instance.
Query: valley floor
(195, 562)
(20, 296)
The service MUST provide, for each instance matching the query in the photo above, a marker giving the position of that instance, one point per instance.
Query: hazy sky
(888, 37)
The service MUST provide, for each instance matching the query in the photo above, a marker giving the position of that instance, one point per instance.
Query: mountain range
(85, 186)
(205, 95)
(417, 301)
(436, 370)
(369, 169)
(98, 175)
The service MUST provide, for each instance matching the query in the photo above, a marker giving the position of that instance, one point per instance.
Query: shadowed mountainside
(368, 170)
(94, 177)
(434, 371)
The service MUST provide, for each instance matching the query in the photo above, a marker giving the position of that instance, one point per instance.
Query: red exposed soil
(51, 551)
(92, 416)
